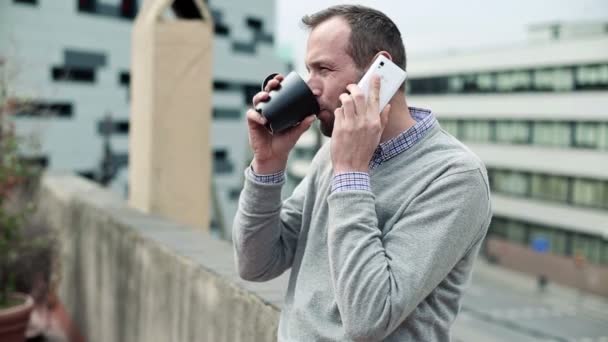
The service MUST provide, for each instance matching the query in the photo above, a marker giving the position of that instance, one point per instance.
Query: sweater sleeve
(380, 279)
(265, 231)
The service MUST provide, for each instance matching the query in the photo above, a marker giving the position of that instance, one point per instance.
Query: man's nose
(314, 85)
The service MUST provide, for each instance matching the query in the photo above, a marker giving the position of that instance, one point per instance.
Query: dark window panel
(29, 2)
(45, 109)
(221, 29)
(234, 194)
(122, 127)
(124, 78)
(115, 127)
(265, 38)
(221, 85)
(89, 6)
(255, 23)
(230, 114)
(221, 163)
(219, 155)
(64, 73)
(250, 90)
(248, 48)
(107, 10)
(38, 161)
(83, 59)
(128, 8)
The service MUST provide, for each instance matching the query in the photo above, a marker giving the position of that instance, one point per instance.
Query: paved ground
(503, 305)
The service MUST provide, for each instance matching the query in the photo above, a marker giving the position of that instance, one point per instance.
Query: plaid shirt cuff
(351, 181)
(274, 178)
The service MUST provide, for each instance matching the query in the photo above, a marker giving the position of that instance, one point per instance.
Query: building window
(88, 6)
(554, 79)
(110, 127)
(249, 91)
(128, 8)
(219, 27)
(556, 134)
(451, 126)
(587, 246)
(586, 134)
(124, 78)
(590, 193)
(83, 59)
(510, 182)
(45, 109)
(602, 136)
(513, 132)
(221, 163)
(84, 75)
(28, 2)
(234, 194)
(552, 188)
(248, 48)
(476, 131)
(226, 114)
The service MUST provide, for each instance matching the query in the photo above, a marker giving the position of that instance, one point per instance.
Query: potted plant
(19, 249)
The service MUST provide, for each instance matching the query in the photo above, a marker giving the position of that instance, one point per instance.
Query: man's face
(330, 68)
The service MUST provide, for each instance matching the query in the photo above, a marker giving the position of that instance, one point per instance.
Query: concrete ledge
(129, 276)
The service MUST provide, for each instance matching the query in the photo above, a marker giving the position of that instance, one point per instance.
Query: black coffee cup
(288, 105)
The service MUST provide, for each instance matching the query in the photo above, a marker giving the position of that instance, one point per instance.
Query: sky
(440, 26)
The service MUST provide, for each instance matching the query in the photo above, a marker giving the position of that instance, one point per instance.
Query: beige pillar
(171, 85)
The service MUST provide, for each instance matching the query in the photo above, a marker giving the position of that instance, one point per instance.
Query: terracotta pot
(14, 320)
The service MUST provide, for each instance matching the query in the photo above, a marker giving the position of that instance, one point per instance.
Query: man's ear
(384, 53)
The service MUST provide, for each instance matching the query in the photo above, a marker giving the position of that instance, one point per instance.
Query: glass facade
(559, 134)
(593, 249)
(547, 79)
(580, 192)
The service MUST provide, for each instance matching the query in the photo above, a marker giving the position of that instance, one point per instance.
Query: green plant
(17, 177)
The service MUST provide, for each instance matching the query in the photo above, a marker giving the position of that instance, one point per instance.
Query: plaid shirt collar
(425, 120)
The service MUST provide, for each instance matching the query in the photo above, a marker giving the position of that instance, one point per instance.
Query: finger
(358, 96)
(348, 106)
(259, 97)
(274, 83)
(254, 117)
(338, 117)
(374, 97)
(384, 116)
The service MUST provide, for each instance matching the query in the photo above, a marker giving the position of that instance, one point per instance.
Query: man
(381, 234)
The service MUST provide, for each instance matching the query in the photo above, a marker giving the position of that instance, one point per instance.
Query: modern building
(71, 61)
(537, 115)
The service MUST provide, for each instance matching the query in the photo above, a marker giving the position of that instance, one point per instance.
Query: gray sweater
(390, 264)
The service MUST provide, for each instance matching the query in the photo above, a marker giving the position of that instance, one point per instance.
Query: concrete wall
(128, 276)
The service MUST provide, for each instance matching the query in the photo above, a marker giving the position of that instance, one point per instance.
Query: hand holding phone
(391, 78)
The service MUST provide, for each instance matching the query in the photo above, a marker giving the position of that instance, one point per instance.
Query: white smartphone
(391, 78)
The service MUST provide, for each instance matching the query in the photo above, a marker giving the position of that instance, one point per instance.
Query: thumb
(384, 116)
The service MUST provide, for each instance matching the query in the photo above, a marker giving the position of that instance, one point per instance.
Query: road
(502, 305)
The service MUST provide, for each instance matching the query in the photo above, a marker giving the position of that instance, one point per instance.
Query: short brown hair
(371, 32)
